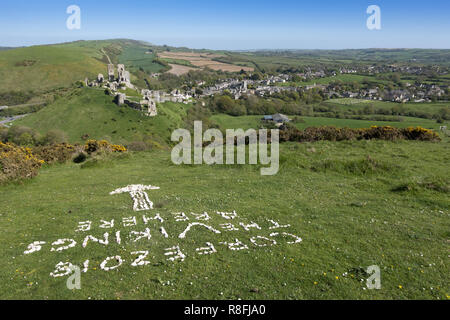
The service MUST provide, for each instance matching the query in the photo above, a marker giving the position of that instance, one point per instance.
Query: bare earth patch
(202, 60)
(179, 70)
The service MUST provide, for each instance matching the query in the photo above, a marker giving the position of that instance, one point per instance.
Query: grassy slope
(90, 111)
(54, 66)
(41, 68)
(347, 218)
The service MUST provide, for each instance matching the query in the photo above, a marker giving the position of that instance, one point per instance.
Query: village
(119, 86)
(422, 92)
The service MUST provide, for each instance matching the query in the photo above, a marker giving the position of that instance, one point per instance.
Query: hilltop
(90, 113)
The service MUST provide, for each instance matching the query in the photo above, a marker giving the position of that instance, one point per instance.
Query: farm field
(347, 201)
(432, 107)
(138, 57)
(254, 121)
(202, 60)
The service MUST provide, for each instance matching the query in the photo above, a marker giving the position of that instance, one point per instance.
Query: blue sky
(232, 24)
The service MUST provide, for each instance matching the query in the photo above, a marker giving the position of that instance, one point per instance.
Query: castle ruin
(147, 104)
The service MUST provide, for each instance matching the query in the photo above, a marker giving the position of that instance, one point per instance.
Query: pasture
(353, 204)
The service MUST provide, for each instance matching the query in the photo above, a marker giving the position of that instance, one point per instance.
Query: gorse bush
(55, 153)
(17, 163)
(93, 146)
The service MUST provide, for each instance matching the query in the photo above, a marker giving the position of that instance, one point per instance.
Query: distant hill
(272, 60)
(47, 67)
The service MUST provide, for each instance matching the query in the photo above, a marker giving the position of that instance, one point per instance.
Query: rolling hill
(90, 112)
(48, 67)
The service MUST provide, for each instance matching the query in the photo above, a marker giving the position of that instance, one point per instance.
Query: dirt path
(103, 51)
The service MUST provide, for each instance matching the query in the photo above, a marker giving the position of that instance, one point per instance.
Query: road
(4, 121)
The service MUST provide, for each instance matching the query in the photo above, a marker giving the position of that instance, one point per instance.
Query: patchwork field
(201, 60)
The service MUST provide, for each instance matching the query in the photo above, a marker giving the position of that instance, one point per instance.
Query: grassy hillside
(354, 204)
(90, 111)
(44, 68)
(41, 68)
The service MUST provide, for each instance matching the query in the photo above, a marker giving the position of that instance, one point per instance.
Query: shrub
(3, 134)
(55, 153)
(93, 146)
(137, 146)
(55, 137)
(17, 163)
(22, 135)
(382, 133)
(80, 158)
(340, 134)
(420, 133)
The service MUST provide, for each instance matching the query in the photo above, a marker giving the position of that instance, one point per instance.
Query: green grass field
(359, 104)
(351, 211)
(90, 111)
(41, 68)
(135, 57)
(354, 204)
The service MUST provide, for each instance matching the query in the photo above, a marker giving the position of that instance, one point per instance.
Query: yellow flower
(400, 286)
(315, 282)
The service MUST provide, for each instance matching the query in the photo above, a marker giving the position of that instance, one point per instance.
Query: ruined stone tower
(121, 72)
(111, 72)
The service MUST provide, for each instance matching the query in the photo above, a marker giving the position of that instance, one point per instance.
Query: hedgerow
(329, 133)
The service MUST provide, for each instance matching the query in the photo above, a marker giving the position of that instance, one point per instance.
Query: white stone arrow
(139, 196)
